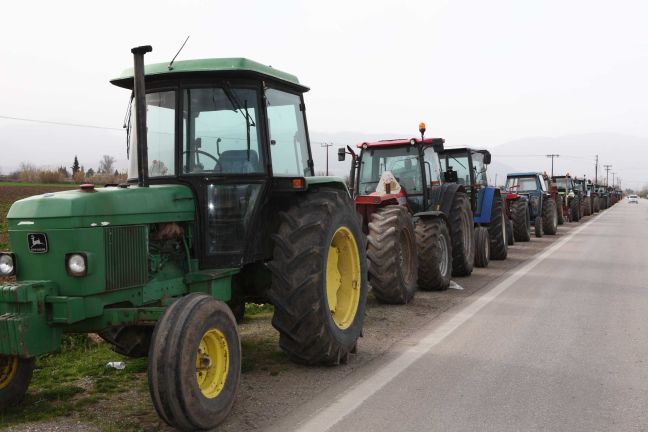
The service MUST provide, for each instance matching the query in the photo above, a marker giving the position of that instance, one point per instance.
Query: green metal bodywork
(47, 302)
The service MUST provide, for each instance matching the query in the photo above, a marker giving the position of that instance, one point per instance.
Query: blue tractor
(467, 167)
(542, 197)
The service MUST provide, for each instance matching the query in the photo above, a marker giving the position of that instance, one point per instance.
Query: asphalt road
(560, 343)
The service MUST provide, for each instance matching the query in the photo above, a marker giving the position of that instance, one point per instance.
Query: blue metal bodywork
(482, 212)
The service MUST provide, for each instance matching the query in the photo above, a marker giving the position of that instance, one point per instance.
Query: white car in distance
(633, 199)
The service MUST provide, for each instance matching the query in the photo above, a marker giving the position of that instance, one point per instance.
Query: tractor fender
(488, 195)
(326, 181)
(443, 196)
(431, 214)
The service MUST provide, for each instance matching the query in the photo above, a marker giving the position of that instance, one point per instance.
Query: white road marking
(332, 414)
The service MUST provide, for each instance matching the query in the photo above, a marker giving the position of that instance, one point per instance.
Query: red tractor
(419, 231)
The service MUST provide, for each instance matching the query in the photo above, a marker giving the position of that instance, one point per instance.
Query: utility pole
(596, 171)
(552, 156)
(613, 174)
(607, 173)
(327, 152)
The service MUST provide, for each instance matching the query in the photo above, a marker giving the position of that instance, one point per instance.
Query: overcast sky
(478, 72)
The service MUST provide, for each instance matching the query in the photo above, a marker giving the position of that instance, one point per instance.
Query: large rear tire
(434, 254)
(520, 216)
(482, 247)
(15, 376)
(392, 255)
(462, 233)
(319, 278)
(586, 206)
(549, 217)
(195, 363)
(497, 231)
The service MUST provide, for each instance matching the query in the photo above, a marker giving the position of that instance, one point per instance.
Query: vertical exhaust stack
(139, 90)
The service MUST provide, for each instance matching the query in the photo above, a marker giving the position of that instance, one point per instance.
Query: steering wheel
(209, 155)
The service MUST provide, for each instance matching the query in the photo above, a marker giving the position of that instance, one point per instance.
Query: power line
(59, 123)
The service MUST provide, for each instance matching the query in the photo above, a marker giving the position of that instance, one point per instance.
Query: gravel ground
(266, 395)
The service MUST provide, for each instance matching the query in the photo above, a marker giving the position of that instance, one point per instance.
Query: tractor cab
(466, 167)
(234, 132)
(402, 170)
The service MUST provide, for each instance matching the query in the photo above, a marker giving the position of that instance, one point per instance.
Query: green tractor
(221, 206)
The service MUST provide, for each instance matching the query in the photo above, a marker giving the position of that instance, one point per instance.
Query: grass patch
(74, 380)
(255, 309)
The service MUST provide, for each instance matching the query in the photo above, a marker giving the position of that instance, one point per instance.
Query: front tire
(482, 247)
(574, 209)
(392, 255)
(537, 226)
(520, 214)
(549, 217)
(559, 208)
(319, 278)
(497, 231)
(15, 376)
(462, 233)
(195, 363)
(434, 254)
(510, 237)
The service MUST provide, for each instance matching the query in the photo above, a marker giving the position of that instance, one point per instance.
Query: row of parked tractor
(429, 213)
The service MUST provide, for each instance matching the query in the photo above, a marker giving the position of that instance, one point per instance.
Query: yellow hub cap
(343, 278)
(8, 368)
(212, 363)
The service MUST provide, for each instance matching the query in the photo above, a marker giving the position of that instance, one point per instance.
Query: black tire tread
(428, 231)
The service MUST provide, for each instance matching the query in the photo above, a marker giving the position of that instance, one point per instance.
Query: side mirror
(341, 154)
(487, 158)
(438, 144)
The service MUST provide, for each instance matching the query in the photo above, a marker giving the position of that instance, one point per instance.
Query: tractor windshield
(220, 133)
(522, 184)
(402, 162)
(563, 183)
(460, 164)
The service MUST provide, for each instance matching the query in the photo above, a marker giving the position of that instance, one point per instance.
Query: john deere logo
(37, 242)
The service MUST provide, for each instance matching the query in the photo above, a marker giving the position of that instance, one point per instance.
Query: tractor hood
(102, 207)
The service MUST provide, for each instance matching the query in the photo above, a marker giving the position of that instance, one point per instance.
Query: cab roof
(398, 142)
(523, 174)
(237, 65)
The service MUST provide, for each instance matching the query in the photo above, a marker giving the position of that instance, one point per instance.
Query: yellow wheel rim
(343, 278)
(212, 363)
(8, 368)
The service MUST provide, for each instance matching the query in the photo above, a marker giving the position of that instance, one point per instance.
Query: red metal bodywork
(367, 204)
(396, 142)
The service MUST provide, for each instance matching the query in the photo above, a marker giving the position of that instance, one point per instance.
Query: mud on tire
(391, 255)
(434, 254)
(307, 328)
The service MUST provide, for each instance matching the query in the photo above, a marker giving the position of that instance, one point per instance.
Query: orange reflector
(298, 183)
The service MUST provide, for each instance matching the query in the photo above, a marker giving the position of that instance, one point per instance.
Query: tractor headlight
(76, 264)
(7, 264)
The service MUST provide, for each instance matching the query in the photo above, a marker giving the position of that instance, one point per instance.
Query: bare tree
(106, 164)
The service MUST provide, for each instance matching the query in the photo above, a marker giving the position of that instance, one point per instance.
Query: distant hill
(577, 153)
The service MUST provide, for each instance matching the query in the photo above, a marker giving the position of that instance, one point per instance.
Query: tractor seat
(236, 161)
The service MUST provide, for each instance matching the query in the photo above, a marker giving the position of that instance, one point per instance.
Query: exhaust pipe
(139, 90)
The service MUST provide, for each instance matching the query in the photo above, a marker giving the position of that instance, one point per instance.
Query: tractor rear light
(7, 264)
(76, 264)
(298, 183)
